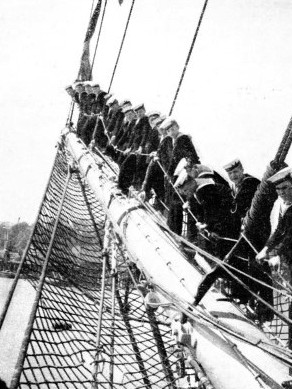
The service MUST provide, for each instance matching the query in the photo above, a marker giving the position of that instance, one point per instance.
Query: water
(13, 329)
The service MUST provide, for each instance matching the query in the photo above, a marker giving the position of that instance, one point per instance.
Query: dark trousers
(175, 214)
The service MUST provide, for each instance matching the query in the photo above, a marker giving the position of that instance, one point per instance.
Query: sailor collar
(236, 188)
(174, 140)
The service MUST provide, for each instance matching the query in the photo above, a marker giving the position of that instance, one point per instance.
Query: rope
(26, 339)
(223, 265)
(284, 145)
(227, 256)
(20, 267)
(262, 203)
(261, 377)
(100, 315)
(189, 56)
(92, 5)
(70, 113)
(121, 46)
(113, 312)
(289, 286)
(221, 238)
(97, 41)
(158, 338)
(62, 346)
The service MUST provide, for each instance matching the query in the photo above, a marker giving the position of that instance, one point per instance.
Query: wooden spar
(167, 269)
(263, 202)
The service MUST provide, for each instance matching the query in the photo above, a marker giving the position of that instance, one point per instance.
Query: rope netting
(135, 348)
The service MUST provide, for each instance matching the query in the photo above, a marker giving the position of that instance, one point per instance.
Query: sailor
(106, 108)
(88, 87)
(122, 137)
(92, 108)
(118, 120)
(148, 143)
(215, 216)
(237, 291)
(69, 89)
(154, 135)
(182, 148)
(128, 168)
(92, 89)
(278, 248)
(154, 178)
(99, 135)
(89, 108)
(113, 105)
(114, 123)
(187, 185)
(141, 126)
(95, 89)
(78, 89)
(243, 189)
(81, 98)
(80, 94)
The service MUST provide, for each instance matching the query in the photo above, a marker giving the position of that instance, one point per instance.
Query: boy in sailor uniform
(154, 178)
(243, 188)
(182, 148)
(279, 244)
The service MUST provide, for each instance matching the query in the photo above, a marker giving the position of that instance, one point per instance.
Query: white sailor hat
(157, 120)
(168, 123)
(281, 175)
(111, 101)
(95, 85)
(138, 106)
(204, 182)
(203, 170)
(107, 96)
(125, 102)
(151, 114)
(232, 165)
(78, 83)
(127, 109)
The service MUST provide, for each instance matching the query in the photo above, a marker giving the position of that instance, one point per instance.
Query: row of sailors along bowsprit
(218, 209)
(128, 134)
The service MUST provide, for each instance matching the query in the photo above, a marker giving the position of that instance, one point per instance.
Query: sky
(235, 100)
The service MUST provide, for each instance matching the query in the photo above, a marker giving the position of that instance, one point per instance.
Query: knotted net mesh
(134, 349)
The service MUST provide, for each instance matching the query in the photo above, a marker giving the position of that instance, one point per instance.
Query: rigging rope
(100, 316)
(241, 272)
(193, 216)
(284, 291)
(92, 5)
(97, 41)
(262, 201)
(20, 267)
(121, 46)
(23, 350)
(223, 265)
(189, 56)
(61, 349)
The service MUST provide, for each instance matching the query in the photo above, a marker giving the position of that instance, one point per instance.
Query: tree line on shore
(14, 237)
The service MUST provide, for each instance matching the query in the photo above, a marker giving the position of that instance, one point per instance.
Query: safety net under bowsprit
(90, 327)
